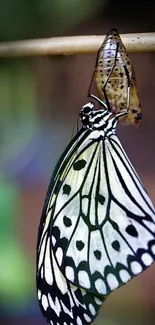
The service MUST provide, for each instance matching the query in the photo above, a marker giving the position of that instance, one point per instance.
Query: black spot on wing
(116, 245)
(79, 245)
(63, 242)
(97, 254)
(131, 230)
(100, 199)
(80, 164)
(67, 221)
(56, 232)
(66, 189)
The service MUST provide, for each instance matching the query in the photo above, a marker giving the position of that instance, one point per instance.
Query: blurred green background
(40, 100)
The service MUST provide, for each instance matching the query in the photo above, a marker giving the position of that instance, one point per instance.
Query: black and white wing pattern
(97, 229)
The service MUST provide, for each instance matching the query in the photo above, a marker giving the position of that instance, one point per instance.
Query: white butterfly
(97, 229)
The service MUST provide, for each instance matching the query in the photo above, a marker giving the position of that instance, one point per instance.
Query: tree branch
(134, 43)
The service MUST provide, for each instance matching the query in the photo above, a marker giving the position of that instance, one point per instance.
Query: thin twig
(134, 43)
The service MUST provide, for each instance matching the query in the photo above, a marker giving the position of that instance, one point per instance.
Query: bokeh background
(40, 100)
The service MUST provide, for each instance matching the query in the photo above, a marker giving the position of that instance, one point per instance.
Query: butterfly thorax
(101, 120)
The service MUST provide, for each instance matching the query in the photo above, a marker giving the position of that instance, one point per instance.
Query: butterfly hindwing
(60, 298)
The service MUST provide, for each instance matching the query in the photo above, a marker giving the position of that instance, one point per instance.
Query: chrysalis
(111, 79)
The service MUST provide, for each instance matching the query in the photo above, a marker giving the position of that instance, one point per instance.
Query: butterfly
(111, 81)
(97, 229)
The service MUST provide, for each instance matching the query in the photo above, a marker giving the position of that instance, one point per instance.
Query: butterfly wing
(97, 229)
(60, 301)
(105, 223)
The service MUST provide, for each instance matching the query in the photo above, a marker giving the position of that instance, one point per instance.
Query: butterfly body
(97, 228)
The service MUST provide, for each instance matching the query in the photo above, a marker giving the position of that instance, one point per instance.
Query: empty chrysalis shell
(113, 66)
